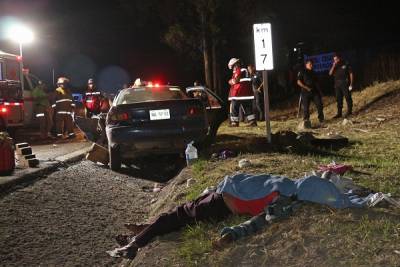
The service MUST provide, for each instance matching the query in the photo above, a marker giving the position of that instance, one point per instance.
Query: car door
(216, 113)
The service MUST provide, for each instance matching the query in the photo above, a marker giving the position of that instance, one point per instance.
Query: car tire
(115, 158)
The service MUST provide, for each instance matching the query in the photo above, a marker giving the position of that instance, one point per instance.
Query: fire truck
(16, 103)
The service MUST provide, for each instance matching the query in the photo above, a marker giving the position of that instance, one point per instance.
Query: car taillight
(118, 117)
(192, 111)
(3, 110)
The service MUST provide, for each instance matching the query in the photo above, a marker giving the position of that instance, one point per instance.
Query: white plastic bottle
(191, 154)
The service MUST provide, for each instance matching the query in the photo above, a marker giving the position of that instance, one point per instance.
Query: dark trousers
(43, 114)
(343, 90)
(64, 123)
(306, 98)
(248, 110)
(258, 102)
(207, 207)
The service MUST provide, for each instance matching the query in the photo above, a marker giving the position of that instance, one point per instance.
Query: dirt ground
(71, 217)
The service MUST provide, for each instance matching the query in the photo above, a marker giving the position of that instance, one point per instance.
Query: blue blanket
(311, 188)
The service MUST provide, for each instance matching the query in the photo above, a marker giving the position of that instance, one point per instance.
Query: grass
(316, 235)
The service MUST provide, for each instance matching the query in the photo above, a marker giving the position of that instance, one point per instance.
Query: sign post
(264, 62)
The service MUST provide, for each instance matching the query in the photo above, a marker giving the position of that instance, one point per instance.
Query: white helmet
(232, 62)
(62, 80)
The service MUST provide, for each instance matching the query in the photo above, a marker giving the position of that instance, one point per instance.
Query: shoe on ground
(337, 116)
(223, 241)
(234, 124)
(128, 252)
(348, 114)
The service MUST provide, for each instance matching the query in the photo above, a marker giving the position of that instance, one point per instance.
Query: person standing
(307, 81)
(64, 109)
(240, 94)
(257, 85)
(92, 100)
(343, 82)
(42, 109)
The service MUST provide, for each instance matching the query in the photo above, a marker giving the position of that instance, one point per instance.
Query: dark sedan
(153, 120)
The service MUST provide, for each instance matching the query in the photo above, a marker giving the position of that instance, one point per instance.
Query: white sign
(263, 46)
(159, 114)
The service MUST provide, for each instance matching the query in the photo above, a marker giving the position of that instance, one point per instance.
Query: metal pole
(20, 49)
(53, 76)
(266, 105)
(22, 68)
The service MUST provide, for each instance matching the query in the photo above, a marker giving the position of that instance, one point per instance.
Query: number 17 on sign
(263, 46)
(264, 62)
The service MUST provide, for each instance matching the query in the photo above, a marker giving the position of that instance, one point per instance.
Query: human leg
(349, 100)
(209, 206)
(305, 101)
(60, 124)
(339, 101)
(235, 106)
(248, 111)
(318, 103)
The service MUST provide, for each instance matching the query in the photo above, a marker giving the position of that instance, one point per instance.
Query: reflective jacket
(241, 88)
(92, 101)
(63, 101)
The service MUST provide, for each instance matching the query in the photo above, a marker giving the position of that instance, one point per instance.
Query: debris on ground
(243, 163)
(98, 153)
(346, 122)
(190, 182)
(335, 168)
(224, 154)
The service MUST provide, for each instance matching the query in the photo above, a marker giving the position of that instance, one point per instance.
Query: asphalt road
(70, 218)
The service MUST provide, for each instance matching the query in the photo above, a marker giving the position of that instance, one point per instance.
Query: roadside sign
(263, 46)
(264, 62)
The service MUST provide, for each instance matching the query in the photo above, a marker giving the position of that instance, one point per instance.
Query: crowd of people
(246, 91)
(55, 110)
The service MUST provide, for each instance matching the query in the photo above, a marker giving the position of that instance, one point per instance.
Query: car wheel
(115, 158)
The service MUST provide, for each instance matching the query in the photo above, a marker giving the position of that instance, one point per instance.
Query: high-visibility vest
(241, 88)
(92, 101)
(63, 101)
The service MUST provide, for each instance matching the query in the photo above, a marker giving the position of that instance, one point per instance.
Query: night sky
(105, 40)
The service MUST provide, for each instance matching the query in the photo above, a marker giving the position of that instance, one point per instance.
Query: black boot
(338, 115)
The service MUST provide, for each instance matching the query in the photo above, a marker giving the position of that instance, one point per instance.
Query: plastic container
(191, 154)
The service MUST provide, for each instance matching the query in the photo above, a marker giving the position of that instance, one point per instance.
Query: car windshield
(145, 94)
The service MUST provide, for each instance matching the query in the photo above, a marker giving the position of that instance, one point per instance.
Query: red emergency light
(19, 58)
(3, 110)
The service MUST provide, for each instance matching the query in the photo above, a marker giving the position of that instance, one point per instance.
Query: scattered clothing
(335, 168)
(311, 188)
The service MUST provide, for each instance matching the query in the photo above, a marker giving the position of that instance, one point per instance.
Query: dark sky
(82, 39)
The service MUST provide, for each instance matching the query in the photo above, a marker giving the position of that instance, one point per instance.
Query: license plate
(159, 114)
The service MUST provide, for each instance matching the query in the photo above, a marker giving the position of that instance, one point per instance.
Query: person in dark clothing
(343, 82)
(307, 81)
(257, 85)
(206, 207)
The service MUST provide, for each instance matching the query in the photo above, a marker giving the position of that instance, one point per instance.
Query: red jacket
(92, 101)
(240, 85)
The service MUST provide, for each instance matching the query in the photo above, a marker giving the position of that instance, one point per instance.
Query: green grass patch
(317, 236)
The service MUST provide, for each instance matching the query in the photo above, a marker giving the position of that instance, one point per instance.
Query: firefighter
(92, 100)
(64, 107)
(240, 94)
(42, 109)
